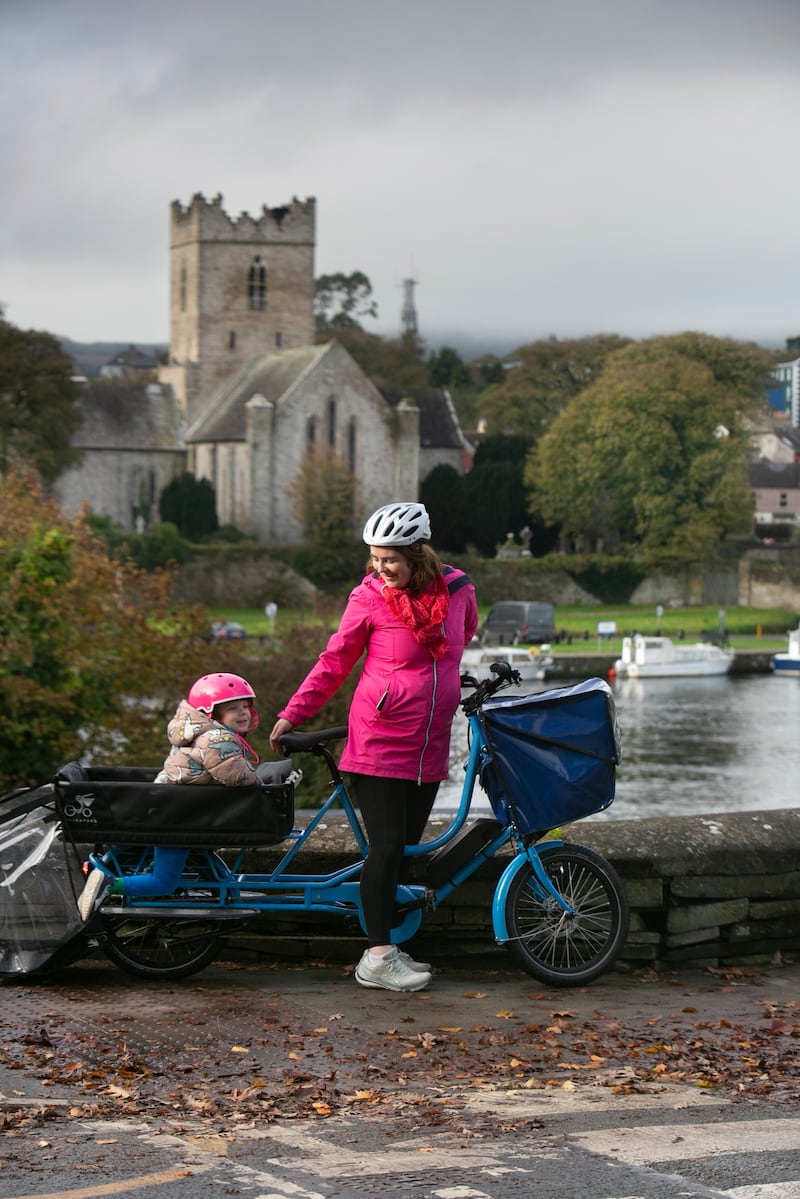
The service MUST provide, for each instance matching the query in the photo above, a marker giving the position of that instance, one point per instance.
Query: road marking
(646, 1144)
(120, 1188)
(766, 1190)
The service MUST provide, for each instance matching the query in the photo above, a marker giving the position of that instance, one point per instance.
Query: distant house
(129, 364)
(132, 445)
(776, 495)
(784, 393)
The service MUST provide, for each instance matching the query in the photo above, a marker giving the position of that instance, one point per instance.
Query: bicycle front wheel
(557, 948)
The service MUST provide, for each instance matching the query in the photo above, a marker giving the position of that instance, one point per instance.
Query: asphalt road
(267, 1079)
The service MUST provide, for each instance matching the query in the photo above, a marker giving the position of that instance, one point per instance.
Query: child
(208, 746)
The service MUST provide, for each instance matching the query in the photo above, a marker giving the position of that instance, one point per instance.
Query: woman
(413, 616)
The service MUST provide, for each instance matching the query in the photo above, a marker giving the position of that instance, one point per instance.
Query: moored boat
(659, 657)
(789, 662)
(531, 664)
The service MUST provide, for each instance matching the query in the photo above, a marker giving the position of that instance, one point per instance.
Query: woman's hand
(281, 726)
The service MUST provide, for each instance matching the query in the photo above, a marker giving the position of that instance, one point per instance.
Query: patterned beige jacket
(205, 751)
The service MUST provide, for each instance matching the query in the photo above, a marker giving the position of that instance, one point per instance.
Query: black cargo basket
(123, 806)
(553, 755)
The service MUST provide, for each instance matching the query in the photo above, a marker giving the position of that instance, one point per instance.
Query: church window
(331, 420)
(232, 340)
(278, 340)
(351, 444)
(311, 434)
(257, 285)
(183, 287)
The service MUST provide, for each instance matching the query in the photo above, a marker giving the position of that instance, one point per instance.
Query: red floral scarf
(423, 615)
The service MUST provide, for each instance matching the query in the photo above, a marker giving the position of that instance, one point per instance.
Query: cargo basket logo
(78, 809)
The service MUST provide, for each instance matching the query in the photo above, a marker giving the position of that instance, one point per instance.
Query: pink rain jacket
(403, 707)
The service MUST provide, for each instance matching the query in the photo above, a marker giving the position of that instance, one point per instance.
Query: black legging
(395, 812)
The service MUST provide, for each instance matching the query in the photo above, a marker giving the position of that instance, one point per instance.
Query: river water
(689, 746)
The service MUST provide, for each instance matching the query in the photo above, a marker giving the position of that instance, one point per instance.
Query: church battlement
(207, 220)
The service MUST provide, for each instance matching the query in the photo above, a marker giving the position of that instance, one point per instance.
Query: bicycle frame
(236, 894)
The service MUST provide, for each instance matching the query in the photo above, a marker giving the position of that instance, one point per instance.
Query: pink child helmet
(213, 689)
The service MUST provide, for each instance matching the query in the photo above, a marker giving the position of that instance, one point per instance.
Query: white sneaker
(393, 974)
(417, 967)
(94, 892)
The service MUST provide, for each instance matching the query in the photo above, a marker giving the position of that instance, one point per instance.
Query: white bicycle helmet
(398, 524)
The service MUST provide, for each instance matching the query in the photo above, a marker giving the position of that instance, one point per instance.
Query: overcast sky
(560, 168)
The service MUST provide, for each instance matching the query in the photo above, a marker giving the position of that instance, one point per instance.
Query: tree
(340, 299)
(652, 457)
(387, 362)
(83, 644)
(446, 368)
(443, 494)
(495, 493)
(190, 504)
(323, 499)
(545, 376)
(38, 409)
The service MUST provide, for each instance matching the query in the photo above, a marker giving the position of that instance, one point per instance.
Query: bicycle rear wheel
(160, 948)
(560, 949)
(166, 947)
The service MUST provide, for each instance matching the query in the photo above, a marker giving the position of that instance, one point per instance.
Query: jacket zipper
(430, 722)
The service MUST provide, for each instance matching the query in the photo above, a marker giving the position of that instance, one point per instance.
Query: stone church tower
(239, 288)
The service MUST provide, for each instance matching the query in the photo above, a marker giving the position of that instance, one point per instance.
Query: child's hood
(188, 724)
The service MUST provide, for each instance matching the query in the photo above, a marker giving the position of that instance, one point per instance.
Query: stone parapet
(705, 891)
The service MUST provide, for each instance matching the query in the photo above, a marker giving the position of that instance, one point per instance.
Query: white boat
(659, 657)
(789, 662)
(531, 664)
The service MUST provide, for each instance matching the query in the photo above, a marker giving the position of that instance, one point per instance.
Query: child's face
(236, 714)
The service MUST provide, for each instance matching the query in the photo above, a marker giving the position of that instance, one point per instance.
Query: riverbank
(598, 665)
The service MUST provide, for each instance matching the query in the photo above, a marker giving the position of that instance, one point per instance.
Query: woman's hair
(423, 561)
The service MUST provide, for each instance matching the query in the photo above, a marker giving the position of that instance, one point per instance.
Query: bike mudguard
(517, 863)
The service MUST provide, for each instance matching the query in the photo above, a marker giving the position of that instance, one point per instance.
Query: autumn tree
(323, 497)
(93, 652)
(544, 377)
(38, 409)
(651, 457)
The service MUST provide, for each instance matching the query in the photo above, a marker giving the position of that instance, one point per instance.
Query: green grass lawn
(746, 628)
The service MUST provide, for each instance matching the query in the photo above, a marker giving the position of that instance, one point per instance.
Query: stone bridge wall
(703, 891)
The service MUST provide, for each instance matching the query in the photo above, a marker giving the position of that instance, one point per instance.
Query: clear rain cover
(40, 879)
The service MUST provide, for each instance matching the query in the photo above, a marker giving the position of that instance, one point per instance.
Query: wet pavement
(254, 1038)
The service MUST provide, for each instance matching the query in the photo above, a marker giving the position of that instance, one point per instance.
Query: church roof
(120, 415)
(438, 423)
(270, 375)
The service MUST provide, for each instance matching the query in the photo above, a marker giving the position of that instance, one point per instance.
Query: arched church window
(311, 434)
(257, 285)
(351, 444)
(182, 300)
(331, 420)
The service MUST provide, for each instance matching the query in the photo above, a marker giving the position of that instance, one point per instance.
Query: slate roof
(133, 359)
(119, 415)
(438, 424)
(271, 375)
(784, 475)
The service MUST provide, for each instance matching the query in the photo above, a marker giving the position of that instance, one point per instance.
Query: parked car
(518, 622)
(228, 630)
